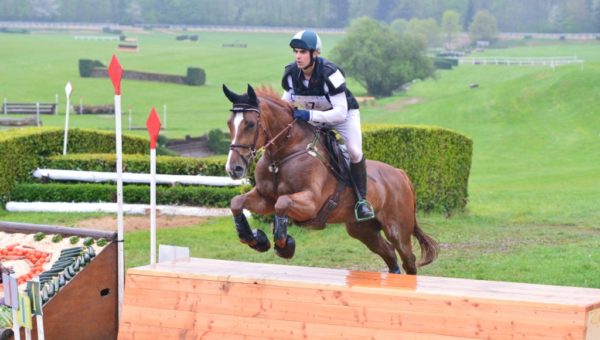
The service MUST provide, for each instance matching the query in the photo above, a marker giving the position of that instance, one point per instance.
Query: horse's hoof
(395, 271)
(262, 241)
(288, 251)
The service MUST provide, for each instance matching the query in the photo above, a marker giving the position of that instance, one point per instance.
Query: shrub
(206, 196)
(195, 76)
(218, 141)
(22, 150)
(87, 65)
(173, 165)
(437, 160)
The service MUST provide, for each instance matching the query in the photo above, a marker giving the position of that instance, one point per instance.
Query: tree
(426, 30)
(450, 25)
(483, 27)
(468, 15)
(379, 59)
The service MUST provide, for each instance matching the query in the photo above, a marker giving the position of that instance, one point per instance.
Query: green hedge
(23, 150)
(437, 160)
(195, 76)
(205, 196)
(87, 65)
(172, 165)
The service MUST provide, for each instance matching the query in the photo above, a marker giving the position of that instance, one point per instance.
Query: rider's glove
(302, 115)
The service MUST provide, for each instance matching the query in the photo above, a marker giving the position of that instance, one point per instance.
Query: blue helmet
(306, 40)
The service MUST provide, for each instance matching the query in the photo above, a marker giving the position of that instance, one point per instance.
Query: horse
(294, 181)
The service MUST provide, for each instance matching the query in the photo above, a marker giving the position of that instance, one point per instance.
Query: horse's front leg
(253, 201)
(301, 205)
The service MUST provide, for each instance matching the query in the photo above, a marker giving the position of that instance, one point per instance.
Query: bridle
(243, 108)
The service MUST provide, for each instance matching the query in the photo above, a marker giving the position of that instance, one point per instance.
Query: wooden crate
(213, 299)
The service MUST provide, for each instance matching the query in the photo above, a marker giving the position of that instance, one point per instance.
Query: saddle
(338, 163)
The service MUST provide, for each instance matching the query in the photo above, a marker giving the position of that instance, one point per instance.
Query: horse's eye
(250, 125)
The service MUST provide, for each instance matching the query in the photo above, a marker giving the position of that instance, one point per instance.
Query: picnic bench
(29, 108)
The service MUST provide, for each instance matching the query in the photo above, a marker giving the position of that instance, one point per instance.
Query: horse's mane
(272, 97)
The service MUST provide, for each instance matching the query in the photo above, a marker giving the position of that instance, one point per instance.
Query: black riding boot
(363, 209)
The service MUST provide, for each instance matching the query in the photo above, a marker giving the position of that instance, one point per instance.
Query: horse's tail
(429, 246)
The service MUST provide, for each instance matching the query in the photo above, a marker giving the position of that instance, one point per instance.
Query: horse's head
(244, 129)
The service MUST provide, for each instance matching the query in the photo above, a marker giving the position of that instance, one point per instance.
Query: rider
(317, 87)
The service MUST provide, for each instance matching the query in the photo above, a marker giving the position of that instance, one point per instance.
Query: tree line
(543, 16)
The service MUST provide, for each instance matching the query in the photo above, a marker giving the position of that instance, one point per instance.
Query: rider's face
(302, 57)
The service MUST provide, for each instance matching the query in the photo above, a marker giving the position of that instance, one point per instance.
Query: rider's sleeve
(336, 114)
(287, 96)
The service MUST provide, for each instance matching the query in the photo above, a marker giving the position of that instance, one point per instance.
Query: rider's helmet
(306, 40)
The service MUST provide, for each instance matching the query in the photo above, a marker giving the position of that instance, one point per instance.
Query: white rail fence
(522, 61)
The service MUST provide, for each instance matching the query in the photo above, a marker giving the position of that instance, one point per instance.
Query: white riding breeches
(350, 131)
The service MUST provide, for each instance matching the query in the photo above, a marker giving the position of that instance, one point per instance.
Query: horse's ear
(252, 96)
(234, 98)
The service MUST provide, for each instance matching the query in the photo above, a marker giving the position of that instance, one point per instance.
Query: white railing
(522, 61)
(95, 176)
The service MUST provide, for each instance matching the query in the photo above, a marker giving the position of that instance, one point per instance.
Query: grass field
(534, 189)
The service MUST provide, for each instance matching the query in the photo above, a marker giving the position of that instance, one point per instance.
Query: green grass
(533, 192)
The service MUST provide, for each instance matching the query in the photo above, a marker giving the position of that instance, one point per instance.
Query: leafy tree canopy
(380, 59)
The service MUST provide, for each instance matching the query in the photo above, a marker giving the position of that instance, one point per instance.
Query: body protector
(327, 80)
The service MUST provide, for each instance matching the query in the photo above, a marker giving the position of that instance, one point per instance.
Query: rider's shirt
(325, 95)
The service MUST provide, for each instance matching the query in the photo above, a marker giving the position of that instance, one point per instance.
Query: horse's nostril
(239, 169)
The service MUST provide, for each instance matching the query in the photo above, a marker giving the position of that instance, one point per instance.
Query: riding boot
(363, 209)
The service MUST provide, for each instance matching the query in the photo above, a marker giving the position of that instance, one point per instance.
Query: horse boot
(255, 239)
(362, 210)
(285, 245)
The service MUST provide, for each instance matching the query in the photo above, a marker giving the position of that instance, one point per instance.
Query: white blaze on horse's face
(236, 121)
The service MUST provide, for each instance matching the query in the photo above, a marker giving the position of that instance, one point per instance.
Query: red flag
(115, 72)
(153, 126)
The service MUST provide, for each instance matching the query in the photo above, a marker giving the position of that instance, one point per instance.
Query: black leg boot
(363, 209)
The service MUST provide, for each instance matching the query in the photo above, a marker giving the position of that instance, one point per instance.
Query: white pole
(121, 265)
(153, 206)
(5, 101)
(16, 328)
(68, 90)
(165, 115)
(115, 72)
(80, 105)
(129, 119)
(37, 114)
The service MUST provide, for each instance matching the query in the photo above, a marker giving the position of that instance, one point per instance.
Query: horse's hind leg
(402, 241)
(368, 232)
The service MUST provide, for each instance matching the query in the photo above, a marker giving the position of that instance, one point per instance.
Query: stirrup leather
(368, 217)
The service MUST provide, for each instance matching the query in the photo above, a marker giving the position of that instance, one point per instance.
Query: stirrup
(368, 217)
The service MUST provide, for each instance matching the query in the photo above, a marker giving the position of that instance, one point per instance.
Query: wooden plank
(216, 297)
(352, 314)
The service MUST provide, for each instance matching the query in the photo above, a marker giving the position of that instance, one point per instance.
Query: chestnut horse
(292, 181)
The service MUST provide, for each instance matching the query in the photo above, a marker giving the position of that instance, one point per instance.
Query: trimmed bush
(205, 196)
(86, 66)
(172, 165)
(437, 160)
(195, 76)
(218, 141)
(22, 150)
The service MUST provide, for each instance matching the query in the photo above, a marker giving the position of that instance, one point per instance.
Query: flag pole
(68, 90)
(115, 71)
(153, 126)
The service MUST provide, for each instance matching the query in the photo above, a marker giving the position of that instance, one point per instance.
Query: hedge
(23, 150)
(437, 160)
(172, 165)
(204, 196)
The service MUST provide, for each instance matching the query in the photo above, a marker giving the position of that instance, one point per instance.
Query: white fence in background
(95, 176)
(522, 61)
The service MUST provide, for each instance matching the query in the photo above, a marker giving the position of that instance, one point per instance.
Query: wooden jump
(214, 299)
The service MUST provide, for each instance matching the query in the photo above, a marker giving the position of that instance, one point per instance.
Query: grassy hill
(534, 188)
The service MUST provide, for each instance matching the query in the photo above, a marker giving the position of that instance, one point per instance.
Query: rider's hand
(302, 115)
